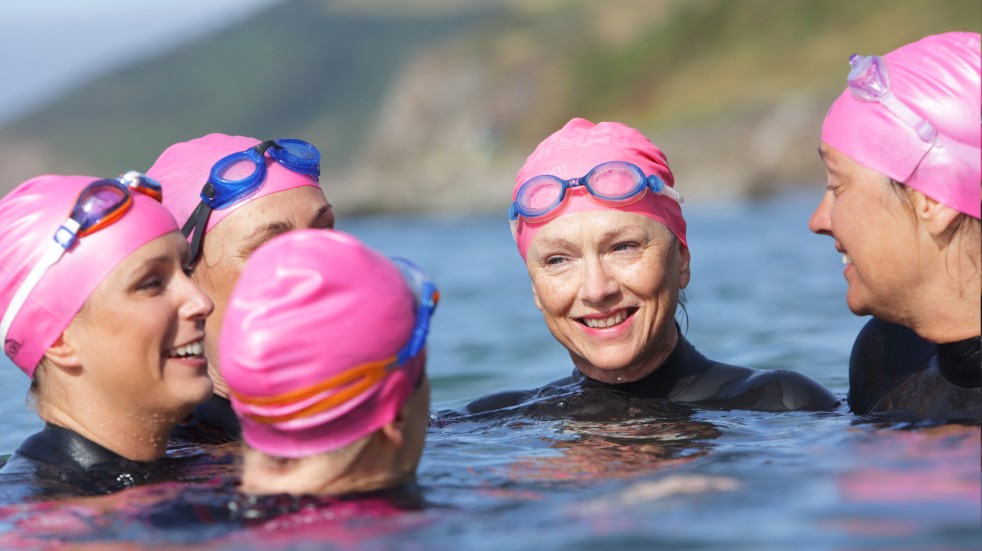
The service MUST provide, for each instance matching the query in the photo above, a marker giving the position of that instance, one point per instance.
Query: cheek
(553, 293)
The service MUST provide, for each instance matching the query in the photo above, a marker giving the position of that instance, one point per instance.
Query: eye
(628, 246)
(151, 283)
(555, 261)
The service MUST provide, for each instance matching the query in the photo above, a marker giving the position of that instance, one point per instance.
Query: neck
(661, 348)
(219, 385)
(130, 426)
(361, 467)
(948, 307)
(135, 436)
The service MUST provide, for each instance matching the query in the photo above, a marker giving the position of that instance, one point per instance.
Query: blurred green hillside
(433, 104)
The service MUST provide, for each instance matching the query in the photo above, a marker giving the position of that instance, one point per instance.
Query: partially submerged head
(322, 348)
(607, 263)
(96, 302)
(231, 194)
(901, 148)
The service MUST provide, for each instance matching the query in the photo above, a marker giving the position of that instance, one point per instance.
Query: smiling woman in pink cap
(599, 225)
(901, 149)
(231, 194)
(99, 312)
(323, 350)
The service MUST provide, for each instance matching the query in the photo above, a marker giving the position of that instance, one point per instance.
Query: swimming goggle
(239, 175)
(356, 380)
(869, 81)
(98, 205)
(614, 183)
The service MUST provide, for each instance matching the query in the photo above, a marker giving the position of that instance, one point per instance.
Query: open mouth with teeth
(846, 259)
(612, 320)
(193, 350)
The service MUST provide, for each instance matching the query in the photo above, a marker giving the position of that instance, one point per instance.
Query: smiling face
(230, 243)
(139, 337)
(876, 233)
(607, 283)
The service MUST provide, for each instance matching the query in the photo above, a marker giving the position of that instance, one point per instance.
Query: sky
(48, 46)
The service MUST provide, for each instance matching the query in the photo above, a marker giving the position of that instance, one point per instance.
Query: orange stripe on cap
(332, 401)
(371, 371)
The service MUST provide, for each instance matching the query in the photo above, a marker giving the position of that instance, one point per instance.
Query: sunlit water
(596, 471)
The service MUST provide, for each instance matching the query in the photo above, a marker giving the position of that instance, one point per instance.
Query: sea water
(764, 293)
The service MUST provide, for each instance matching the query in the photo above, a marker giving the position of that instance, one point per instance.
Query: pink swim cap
(183, 169)
(938, 78)
(31, 215)
(581, 145)
(309, 308)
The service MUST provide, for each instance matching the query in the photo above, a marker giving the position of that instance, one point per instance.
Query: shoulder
(508, 399)
(727, 386)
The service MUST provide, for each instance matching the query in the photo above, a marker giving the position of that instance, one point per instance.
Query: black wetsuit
(58, 462)
(213, 422)
(689, 377)
(895, 374)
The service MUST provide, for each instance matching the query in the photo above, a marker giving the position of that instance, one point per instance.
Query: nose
(196, 305)
(821, 220)
(598, 285)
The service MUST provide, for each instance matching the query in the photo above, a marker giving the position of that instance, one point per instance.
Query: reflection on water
(592, 470)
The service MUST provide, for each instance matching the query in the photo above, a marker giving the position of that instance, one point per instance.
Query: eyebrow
(265, 232)
(148, 265)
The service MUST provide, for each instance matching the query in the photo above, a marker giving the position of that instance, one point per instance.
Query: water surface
(588, 473)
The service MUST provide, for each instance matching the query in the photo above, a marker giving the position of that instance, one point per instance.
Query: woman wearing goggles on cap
(599, 225)
(323, 350)
(231, 194)
(99, 312)
(901, 150)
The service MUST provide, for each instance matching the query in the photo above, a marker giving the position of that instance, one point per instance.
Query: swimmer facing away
(902, 153)
(99, 312)
(231, 194)
(598, 223)
(323, 348)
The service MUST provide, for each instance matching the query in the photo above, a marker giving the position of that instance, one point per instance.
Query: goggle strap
(47, 260)
(196, 224)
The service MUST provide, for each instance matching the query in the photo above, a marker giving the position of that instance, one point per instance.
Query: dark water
(594, 471)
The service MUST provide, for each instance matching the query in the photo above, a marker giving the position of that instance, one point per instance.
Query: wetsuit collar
(59, 446)
(664, 381)
(213, 422)
(960, 363)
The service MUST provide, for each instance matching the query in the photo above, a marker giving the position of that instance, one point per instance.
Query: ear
(395, 430)
(934, 216)
(684, 273)
(63, 353)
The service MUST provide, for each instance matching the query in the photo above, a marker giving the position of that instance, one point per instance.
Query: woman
(901, 150)
(231, 194)
(108, 326)
(323, 351)
(600, 228)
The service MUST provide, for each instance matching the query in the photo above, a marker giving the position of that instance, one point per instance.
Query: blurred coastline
(432, 105)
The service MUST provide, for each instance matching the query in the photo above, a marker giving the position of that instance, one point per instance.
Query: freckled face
(139, 335)
(607, 283)
(875, 231)
(230, 243)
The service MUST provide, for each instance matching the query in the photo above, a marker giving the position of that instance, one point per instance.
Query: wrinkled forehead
(591, 228)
